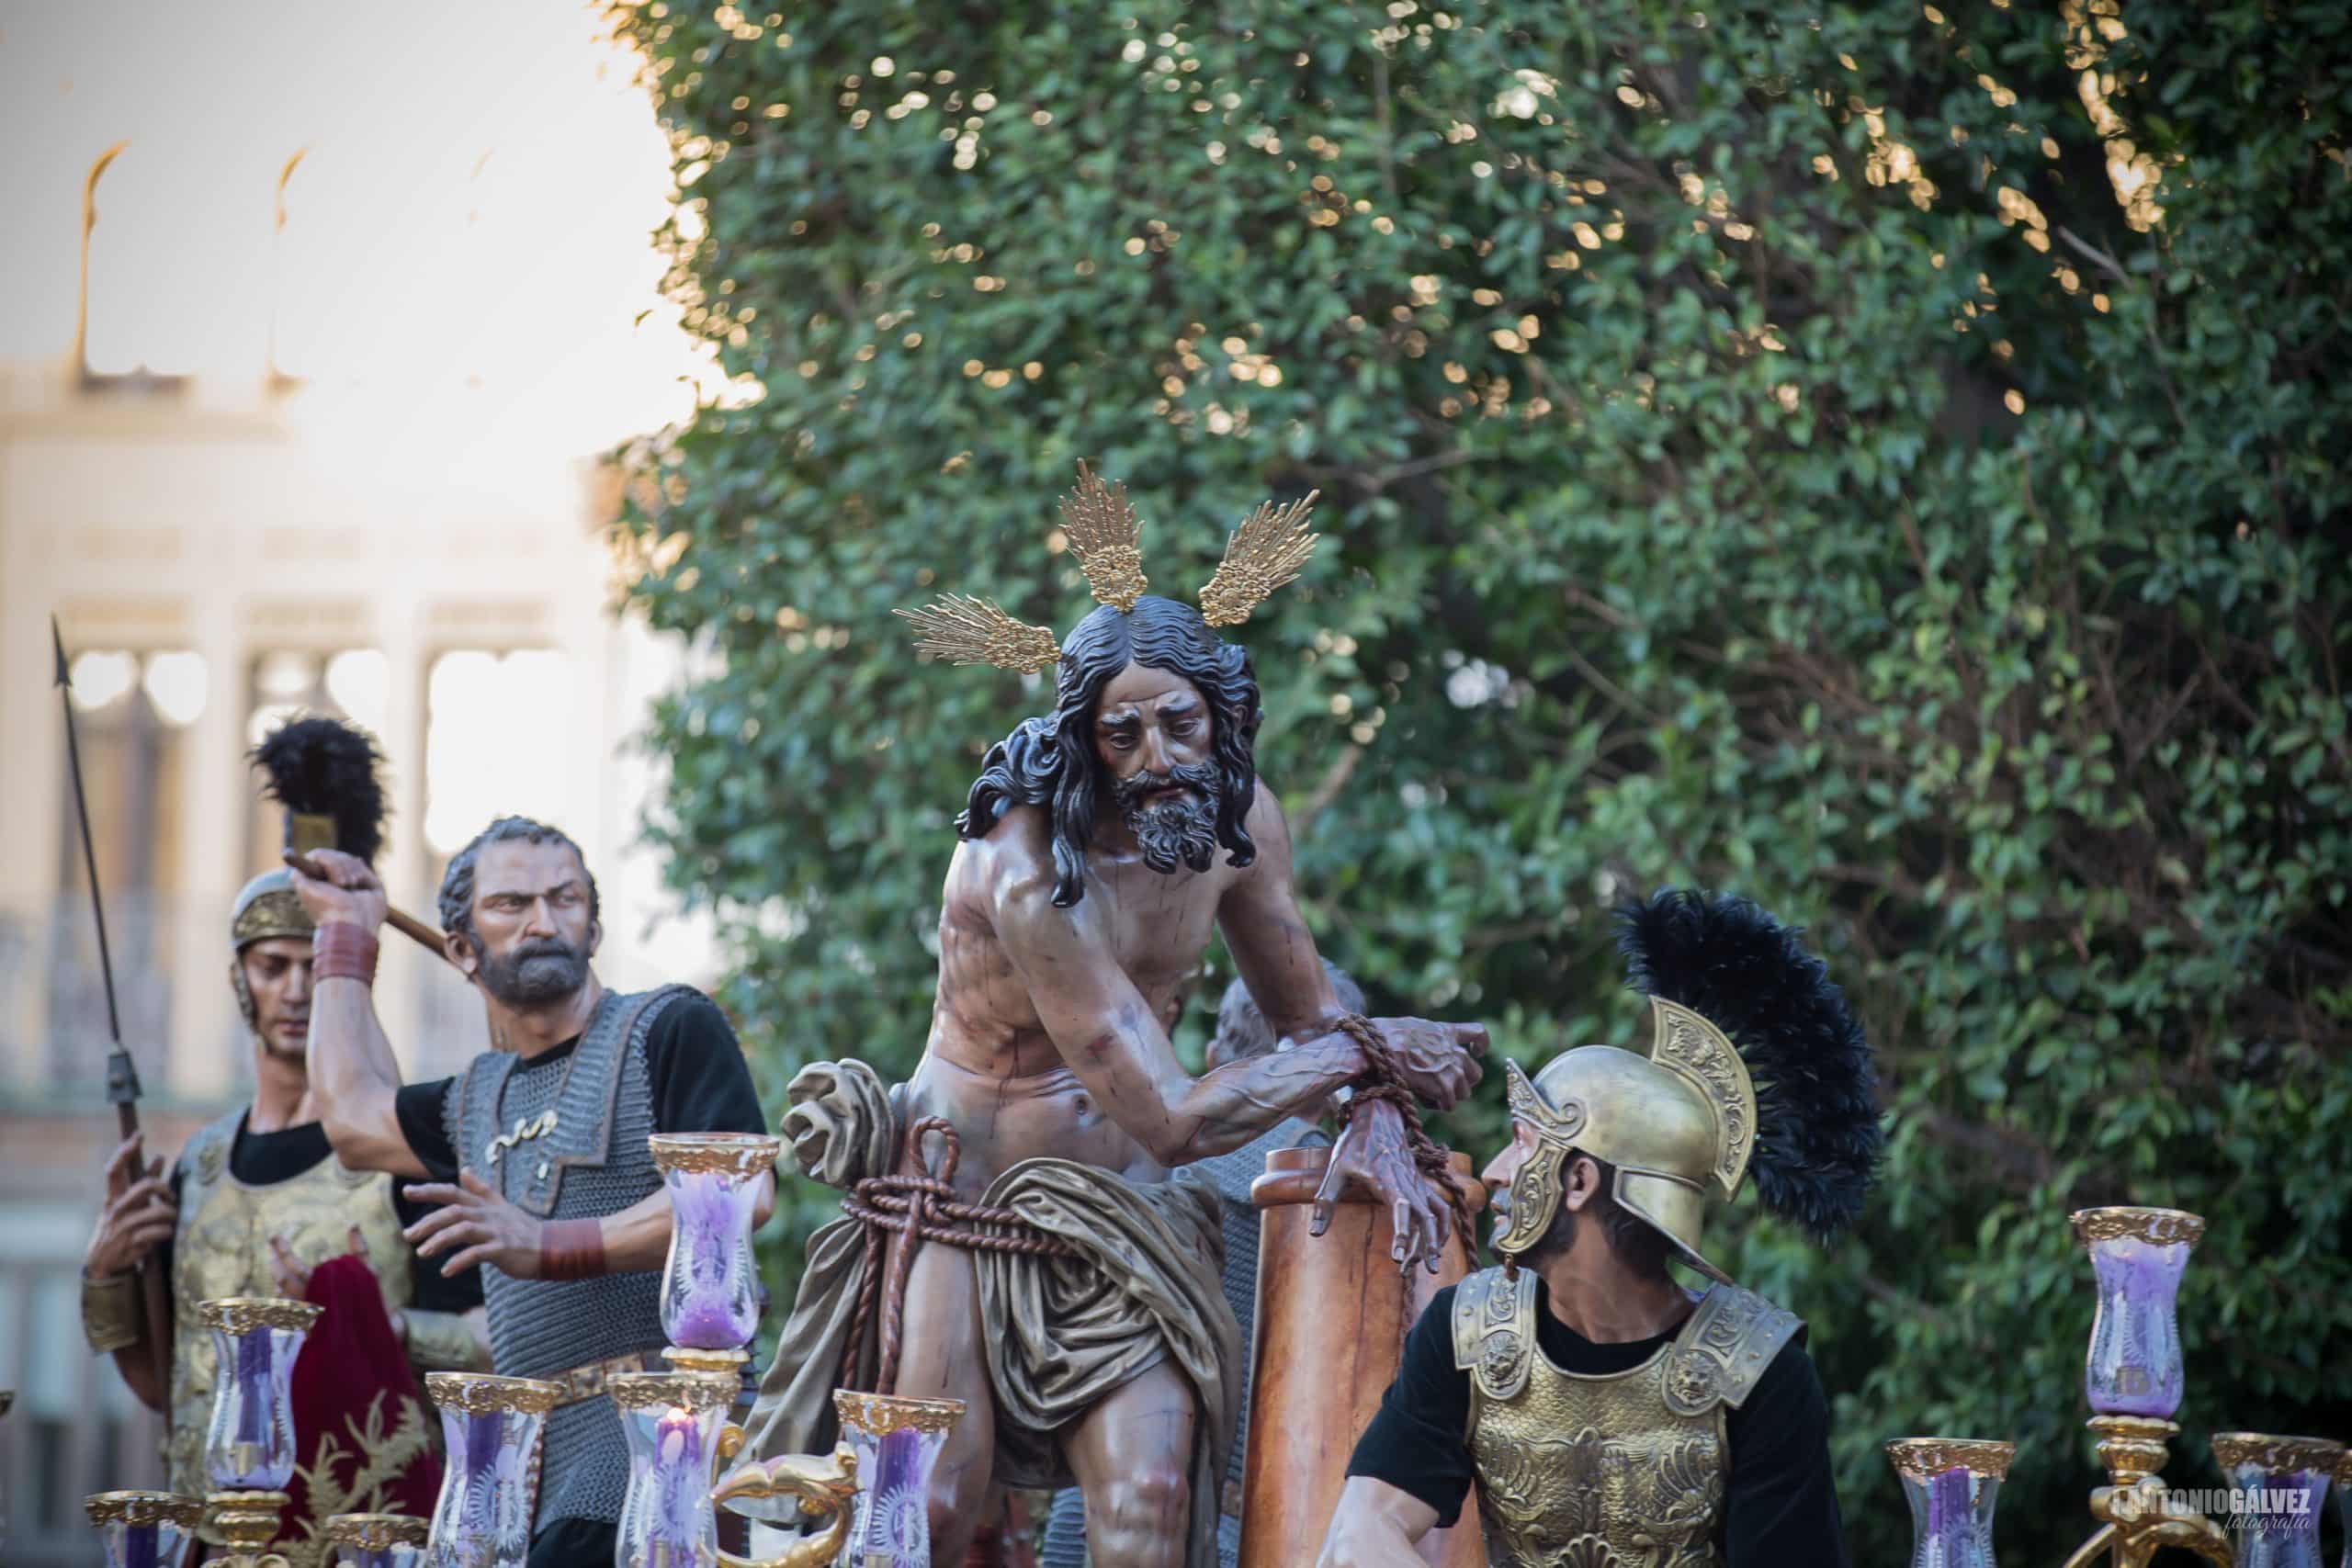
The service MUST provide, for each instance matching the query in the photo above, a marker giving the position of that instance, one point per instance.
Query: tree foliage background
(1887, 460)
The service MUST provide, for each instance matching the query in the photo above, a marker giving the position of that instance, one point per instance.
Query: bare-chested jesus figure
(1100, 845)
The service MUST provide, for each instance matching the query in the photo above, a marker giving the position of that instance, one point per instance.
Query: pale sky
(467, 229)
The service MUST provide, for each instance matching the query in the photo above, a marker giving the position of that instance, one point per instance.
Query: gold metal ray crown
(1108, 536)
(964, 631)
(1263, 554)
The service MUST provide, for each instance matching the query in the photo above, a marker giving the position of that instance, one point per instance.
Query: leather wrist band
(572, 1249)
(111, 1318)
(341, 951)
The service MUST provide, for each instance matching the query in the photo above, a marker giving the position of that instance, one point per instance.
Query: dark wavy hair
(1050, 761)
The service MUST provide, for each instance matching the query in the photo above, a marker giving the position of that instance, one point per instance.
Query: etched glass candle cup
(674, 1422)
(2286, 1479)
(896, 1443)
(2138, 1255)
(144, 1530)
(249, 1442)
(710, 1283)
(491, 1428)
(1951, 1484)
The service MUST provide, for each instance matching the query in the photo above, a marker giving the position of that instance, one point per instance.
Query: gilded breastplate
(222, 1248)
(1623, 1470)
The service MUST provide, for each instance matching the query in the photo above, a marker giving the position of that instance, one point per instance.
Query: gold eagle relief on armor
(1648, 1500)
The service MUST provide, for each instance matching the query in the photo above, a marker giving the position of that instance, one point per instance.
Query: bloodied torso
(991, 1069)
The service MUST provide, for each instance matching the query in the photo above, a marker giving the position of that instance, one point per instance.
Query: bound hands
(138, 1212)
(1438, 1062)
(351, 892)
(475, 1218)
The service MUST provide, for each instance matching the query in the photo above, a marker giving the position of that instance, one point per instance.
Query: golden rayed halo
(974, 631)
(1108, 536)
(1267, 551)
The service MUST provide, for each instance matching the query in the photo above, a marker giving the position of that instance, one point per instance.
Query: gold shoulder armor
(1494, 1330)
(1724, 1349)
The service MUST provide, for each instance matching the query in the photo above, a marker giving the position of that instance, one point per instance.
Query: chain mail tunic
(593, 1162)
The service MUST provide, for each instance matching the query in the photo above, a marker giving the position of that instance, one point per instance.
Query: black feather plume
(1817, 1129)
(324, 767)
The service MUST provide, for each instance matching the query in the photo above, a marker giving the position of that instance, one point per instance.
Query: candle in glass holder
(144, 1530)
(2134, 1367)
(249, 1442)
(2286, 1479)
(491, 1427)
(895, 1442)
(673, 1421)
(710, 1294)
(1951, 1484)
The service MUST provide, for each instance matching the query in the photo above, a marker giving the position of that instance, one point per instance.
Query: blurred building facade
(220, 551)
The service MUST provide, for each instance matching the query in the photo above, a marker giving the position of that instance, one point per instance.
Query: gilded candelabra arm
(826, 1486)
(2198, 1534)
(2134, 1522)
(2091, 1550)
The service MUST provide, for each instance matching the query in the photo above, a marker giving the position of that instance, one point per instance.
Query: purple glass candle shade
(2285, 1481)
(897, 1443)
(249, 1441)
(674, 1422)
(1952, 1485)
(491, 1427)
(710, 1294)
(2138, 1255)
(144, 1530)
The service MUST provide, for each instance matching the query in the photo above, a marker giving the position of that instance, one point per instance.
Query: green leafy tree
(1888, 461)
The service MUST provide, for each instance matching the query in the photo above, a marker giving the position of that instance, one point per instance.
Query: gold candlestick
(248, 1522)
(2136, 1517)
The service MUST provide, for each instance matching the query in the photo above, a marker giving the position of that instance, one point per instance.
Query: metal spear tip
(57, 640)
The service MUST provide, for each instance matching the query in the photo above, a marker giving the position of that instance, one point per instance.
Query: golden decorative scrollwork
(243, 1314)
(480, 1393)
(377, 1532)
(278, 912)
(697, 1393)
(1689, 1044)
(144, 1508)
(707, 1154)
(2277, 1456)
(2158, 1227)
(879, 1415)
(1923, 1459)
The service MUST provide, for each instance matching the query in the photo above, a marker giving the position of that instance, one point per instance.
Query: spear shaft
(122, 1074)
